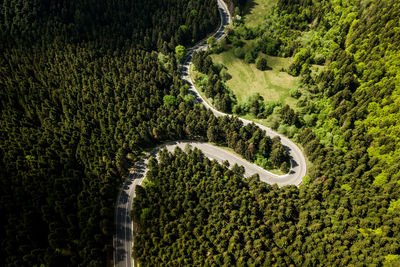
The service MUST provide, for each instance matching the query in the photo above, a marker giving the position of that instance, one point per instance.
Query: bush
(218, 48)
(249, 57)
(238, 52)
(244, 32)
(306, 180)
(241, 108)
(269, 107)
(180, 52)
(169, 100)
(285, 167)
(225, 75)
(212, 41)
(295, 93)
(261, 63)
(263, 162)
(236, 42)
(270, 49)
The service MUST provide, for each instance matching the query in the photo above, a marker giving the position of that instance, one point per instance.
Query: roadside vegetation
(345, 58)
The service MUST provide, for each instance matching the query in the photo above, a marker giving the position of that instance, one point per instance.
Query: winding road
(123, 239)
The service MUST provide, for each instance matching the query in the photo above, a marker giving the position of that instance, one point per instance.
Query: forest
(215, 217)
(347, 210)
(82, 90)
(87, 86)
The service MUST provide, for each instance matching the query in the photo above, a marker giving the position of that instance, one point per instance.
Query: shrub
(238, 52)
(249, 57)
(261, 63)
(169, 100)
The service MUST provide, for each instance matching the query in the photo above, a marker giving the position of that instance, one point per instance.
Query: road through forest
(123, 240)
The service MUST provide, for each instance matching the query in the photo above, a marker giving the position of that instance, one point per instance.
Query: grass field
(256, 10)
(272, 85)
(246, 79)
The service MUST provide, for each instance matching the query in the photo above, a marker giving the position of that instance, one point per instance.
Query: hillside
(345, 55)
(81, 94)
(87, 87)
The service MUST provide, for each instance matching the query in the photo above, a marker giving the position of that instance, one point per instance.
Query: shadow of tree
(250, 4)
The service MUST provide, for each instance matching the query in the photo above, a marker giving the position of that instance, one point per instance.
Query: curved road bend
(298, 162)
(123, 240)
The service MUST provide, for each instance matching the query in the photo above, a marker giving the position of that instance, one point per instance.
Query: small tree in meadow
(261, 63)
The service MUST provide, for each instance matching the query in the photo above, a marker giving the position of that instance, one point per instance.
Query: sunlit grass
(272, 85)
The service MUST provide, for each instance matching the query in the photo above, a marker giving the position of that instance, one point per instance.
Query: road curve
(123, 239)
(298, 161)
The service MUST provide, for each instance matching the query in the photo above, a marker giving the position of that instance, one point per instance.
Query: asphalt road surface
(123, 239)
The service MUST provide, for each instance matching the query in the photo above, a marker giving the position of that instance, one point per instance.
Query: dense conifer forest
(215, 216)
(81, 95)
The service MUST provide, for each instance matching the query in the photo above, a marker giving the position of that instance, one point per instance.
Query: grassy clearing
(272, 85)
(256, 10)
